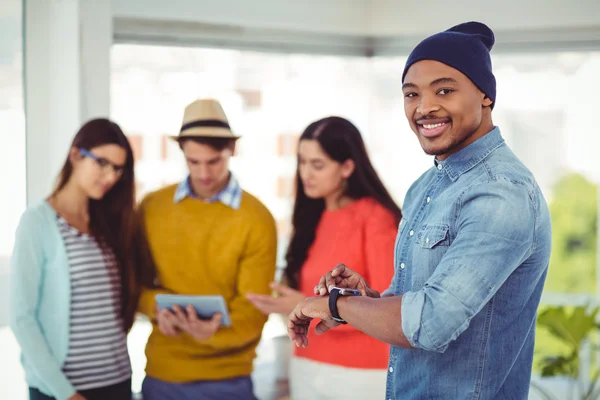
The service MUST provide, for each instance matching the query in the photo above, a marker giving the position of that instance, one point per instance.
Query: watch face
(349, 292)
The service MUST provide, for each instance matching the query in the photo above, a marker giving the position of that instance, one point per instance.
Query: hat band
(203, 123)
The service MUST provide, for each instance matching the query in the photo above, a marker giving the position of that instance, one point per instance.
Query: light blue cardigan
(40, 296)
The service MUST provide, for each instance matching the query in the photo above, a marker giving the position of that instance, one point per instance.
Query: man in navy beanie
(473, 245)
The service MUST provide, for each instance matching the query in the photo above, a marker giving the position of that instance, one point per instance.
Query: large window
(544, 106)
(12, 167)
(269, 99)
(545, 102)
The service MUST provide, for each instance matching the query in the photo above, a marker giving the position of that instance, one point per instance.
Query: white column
(67, 80)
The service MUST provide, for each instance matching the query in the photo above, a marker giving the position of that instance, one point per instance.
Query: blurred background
(276, 66)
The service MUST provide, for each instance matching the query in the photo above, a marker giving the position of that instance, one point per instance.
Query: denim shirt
(471, 258)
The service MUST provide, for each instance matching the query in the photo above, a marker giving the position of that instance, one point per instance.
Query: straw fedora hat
(205, 118)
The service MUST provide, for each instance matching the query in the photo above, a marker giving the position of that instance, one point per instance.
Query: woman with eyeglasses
(73, 290)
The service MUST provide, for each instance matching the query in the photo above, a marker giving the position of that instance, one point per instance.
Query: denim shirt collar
(465, 159)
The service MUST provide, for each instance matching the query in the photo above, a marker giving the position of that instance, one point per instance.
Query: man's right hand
(343, 277)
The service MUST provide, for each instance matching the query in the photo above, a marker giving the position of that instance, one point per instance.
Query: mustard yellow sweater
(208, 249)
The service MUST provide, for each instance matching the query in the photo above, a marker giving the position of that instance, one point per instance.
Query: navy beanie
(466, 48)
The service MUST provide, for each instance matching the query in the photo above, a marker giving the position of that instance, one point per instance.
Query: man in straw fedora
(206, 236)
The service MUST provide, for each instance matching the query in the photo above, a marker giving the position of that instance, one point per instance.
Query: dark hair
(112, 218)
(341, 141)
(217, 143)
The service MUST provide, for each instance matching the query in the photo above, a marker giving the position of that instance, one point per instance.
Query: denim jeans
(229, 389)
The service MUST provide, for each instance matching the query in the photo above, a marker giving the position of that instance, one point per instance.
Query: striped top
(97, 354)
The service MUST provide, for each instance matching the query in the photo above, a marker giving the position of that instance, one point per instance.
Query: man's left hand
(299, 320)
(199, 329)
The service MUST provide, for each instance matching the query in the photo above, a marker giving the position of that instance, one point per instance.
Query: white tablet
(205, 306)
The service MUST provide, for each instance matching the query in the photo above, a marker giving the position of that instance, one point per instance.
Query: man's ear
(487, 102)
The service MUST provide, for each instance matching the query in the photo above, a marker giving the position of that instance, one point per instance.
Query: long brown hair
(112, 218)
(341, 141)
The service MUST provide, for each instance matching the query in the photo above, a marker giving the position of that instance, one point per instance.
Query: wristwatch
(334, 293)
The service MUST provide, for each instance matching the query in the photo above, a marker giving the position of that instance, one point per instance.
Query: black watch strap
(333, 297)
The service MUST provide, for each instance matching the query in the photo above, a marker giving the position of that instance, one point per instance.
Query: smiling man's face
(444, 108)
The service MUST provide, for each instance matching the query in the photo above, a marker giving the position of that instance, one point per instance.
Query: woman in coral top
(342, 213)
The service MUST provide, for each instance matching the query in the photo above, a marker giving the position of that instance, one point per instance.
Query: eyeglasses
(103, 163)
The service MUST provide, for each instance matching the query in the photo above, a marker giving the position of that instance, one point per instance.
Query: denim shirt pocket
(431, 244)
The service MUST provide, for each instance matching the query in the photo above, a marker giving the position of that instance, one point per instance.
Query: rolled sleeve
(495, 231)
(411, 321)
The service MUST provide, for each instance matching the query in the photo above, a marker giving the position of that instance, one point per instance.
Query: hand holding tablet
(205, 306)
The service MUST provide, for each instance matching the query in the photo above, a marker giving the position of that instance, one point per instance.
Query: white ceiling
(398, 17)
(369, 17)
(324, 16)
(356, 27)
